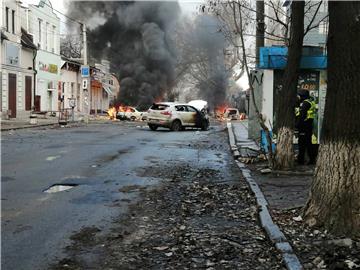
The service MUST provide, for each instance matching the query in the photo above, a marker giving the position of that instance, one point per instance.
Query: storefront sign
(309, 80)
(48, 67)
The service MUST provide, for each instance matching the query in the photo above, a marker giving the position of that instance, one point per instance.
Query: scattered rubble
(317, 249)
(199, 217)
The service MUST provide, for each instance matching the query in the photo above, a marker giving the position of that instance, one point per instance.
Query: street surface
(111, 166)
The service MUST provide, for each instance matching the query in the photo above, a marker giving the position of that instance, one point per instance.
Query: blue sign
(85, 71)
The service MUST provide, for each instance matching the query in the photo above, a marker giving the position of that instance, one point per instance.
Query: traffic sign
(85, 71)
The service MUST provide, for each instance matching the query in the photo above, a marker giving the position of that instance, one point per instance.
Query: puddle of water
(58, 188)
(51, 158)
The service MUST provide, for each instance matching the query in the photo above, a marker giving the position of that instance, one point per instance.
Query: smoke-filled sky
(207, 44)
(136, 38)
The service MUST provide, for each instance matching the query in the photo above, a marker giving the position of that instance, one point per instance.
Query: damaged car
(176, 116)
(129, 113)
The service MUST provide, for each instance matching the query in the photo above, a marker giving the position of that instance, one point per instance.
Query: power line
(68, 17)
(34, 24)
(72, 19)
(47, 15)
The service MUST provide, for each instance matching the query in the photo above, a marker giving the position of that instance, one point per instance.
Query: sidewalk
(283, 191)
(285, 195)
(20, 124)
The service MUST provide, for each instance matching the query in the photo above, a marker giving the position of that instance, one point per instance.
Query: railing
(66, 115)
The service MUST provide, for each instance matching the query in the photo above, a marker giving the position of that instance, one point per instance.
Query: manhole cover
(57, 188)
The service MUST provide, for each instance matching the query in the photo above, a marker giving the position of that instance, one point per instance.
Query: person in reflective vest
(304, 123)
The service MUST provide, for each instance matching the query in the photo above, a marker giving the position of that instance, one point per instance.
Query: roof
(165, 103)
(65, 60)
(26, 40)
(276, 58)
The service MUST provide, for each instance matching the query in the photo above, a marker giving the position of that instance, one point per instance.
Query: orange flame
(112, 113)
(220, 111)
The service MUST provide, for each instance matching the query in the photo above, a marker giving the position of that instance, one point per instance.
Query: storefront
(267, 82)
(48, 77)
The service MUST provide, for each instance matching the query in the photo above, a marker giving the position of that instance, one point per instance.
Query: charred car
(176, 116)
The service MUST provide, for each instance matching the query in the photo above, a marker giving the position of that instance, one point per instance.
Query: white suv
(176, 116)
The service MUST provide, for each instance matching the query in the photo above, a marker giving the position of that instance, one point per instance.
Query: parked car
(176, 116)
(129, 113)
(144, 116)
(232, 114)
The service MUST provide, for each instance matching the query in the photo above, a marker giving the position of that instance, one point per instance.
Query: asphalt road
(98, 160)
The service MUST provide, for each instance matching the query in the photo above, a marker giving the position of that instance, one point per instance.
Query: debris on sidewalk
(265, 171)
(316, 248)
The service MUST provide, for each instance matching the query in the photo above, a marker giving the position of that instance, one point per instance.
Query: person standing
(304, 125)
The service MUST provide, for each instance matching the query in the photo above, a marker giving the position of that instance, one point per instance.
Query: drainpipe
(35, 72)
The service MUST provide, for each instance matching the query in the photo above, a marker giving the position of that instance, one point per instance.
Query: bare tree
(201, 56)
(70, 46)
(335, 194)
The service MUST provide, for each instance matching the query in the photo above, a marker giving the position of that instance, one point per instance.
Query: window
(7, 19)
(159, 107)
(323, 28)
(324, 7)
(53, 49)
(180, 108)
(46, 36)
(191, 109)
(13, 21)
(39, 34)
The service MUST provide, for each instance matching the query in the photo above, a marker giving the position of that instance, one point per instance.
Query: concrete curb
(23, 127)
(291, 261)
(36, 126)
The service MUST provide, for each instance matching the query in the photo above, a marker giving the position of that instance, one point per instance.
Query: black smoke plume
(136, 38)
(204, 47)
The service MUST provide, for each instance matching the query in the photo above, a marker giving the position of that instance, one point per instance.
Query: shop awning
(3, 36)
(108, 90)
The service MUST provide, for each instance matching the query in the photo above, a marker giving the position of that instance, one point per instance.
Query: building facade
(316, 36)
(104, 87)
(17, 64)
(69, 92)
(44, 25)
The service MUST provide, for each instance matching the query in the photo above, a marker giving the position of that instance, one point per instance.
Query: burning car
(176, 116)
(129, 113)
(232, 114)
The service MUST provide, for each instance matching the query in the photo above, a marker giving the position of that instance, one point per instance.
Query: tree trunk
(285, 113)
(285, 147)
(260, 28)
(334, 200)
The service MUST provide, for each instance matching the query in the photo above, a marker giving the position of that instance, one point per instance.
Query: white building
(71, 92)
(41, 21)
(104, 87)
(17, 66)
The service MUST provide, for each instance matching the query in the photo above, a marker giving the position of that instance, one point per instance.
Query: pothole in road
(59, 187)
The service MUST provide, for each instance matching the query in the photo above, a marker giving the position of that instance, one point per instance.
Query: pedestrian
(304, 124)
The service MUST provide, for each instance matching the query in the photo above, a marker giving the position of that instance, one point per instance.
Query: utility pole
(86, 91)
(260, 28)
(84, 44)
